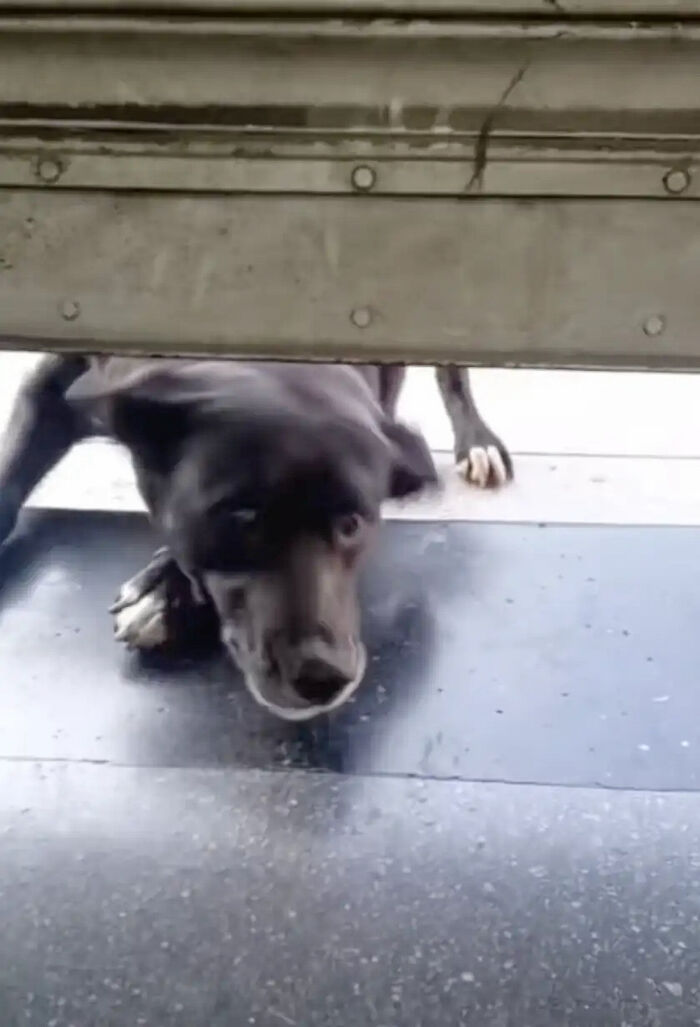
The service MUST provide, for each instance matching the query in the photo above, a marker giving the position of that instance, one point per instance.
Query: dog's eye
(348, 527)
(244, 517)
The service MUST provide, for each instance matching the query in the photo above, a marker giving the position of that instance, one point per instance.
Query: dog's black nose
(318, 681)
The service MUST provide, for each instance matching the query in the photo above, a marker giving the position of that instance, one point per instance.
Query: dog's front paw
(484, 461)
(162, 608)
(143, 624)
(150, 605)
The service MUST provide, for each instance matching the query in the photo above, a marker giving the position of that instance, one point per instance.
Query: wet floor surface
(501, 830)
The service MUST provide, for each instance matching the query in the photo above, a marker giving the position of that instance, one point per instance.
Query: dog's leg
(42, 428)
(391, 379)
(481, 456)
(161, 606)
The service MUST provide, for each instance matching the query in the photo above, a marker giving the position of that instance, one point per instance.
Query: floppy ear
(151, 426)
(412, 465)
(146, 414)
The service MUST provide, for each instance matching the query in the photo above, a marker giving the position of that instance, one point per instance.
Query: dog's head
(266, 482)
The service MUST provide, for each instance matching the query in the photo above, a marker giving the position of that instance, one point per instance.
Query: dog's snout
(318, 680)
(318, 668)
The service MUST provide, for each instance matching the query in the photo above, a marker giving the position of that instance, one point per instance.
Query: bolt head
(70, 310)
(654, 325)
(361, 317)
(49, 170)
(676, 181)
(363, 178)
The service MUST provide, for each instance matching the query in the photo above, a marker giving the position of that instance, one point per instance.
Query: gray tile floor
(171, 855)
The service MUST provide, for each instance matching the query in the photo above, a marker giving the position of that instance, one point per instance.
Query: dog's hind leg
(481, 456)
(41, 429)
(391, 379)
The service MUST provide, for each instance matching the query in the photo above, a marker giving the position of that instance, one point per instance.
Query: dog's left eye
(348, 527)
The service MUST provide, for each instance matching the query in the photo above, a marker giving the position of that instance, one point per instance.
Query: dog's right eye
(244, 517)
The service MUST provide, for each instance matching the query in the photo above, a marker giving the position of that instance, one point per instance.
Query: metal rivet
(70, 310)
(49, 170)
(676, 181)
(363, 177)
(361, 317)
(655, 324)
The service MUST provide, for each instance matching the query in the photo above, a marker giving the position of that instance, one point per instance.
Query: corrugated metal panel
(416, 108)
(480, 191)
(521, 282)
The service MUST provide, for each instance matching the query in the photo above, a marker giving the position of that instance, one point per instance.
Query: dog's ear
(152, 426)
(412, 465)
(150, 415)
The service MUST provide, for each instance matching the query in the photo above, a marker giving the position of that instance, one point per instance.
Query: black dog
(265, 481)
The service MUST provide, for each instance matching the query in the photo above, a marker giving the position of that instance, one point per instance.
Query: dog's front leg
(481, 456)
(41, 429)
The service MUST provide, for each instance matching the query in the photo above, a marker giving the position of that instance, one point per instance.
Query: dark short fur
(264, 481)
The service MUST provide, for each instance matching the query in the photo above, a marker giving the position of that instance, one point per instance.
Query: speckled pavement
(503, 830)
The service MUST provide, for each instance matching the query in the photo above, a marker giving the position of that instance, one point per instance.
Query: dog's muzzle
(300, 682)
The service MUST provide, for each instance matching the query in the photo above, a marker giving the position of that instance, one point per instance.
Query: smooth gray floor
(169, 856)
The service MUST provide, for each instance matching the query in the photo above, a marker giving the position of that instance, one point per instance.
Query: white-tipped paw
(141, 623)
(484, 467)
